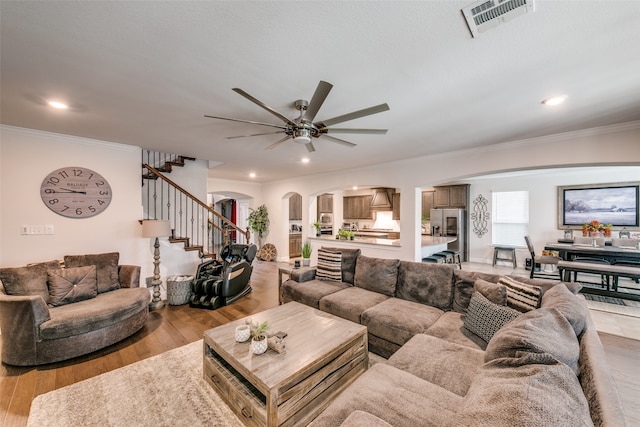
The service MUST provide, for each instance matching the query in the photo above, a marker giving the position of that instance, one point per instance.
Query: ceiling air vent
(484, 15)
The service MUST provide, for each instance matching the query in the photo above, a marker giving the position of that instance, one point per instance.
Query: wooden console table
(323, 355)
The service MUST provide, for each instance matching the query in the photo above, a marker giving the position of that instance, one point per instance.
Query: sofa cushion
(450, 327)
(349, 259)
(310, 293)
(425, 283)
(29, 280)
(398, 320)
(539, 336)
(329, 266)
(106, 268)
(67, 285)
(397, 397)
(484, 318)
(377, 275)
(106, 309)
(521, 296)
(532, 395)
(463, 287)
(351, 302)
(494, 292)
(451, 366)
(573, 308)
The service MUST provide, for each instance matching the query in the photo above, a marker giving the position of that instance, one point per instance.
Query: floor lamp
(154, 228)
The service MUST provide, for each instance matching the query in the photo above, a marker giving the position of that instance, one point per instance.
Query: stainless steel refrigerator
(451, 223)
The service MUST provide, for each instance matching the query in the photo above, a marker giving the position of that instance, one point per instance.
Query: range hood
(381, 200)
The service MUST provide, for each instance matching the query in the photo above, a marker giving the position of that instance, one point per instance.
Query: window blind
(509, 217)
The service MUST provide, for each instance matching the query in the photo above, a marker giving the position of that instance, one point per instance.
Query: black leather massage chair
(219, 283)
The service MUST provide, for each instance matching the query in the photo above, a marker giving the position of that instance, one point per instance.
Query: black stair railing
(193, 222)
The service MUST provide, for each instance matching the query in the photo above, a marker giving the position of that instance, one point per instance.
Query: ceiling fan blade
(265, 106)
(310, 147)
(275, 144)
(253, 134)
(354, 115)
(247, 121)
(338, 141)
(316, 102)
(361, 131)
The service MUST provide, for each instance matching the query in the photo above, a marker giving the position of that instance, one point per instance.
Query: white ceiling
(145, 73)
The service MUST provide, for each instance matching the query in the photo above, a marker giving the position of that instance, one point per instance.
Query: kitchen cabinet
(295, 245)
(295, 207)
(357, 207)
(427, 203)
(396, 207)
(451, 196)
(325, 204)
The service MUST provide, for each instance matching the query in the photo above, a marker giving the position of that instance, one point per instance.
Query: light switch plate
(24, 229)
(37, 229)
(49, 229)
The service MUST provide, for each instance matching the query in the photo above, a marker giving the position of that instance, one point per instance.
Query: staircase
(194, 224)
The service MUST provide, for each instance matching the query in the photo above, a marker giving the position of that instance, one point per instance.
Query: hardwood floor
(173, 326)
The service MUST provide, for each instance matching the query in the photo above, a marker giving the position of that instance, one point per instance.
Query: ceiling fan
(303, 128)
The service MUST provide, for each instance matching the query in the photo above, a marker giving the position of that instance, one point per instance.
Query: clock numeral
(90, 176)
(103, 193)
(78, 211)
(53, 180)
(99, 183)
(53, 201)
(101, 202)
(77, 172)
(66, 208)
(49, 191)
(63, 174)
(92, 209)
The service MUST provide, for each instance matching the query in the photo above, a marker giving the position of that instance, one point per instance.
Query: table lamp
(154, 228)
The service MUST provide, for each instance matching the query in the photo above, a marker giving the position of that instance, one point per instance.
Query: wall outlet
(37, 229)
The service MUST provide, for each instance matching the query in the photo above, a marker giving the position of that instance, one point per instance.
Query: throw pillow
(484, 318)
(349, 258)
(521, 296)
(539, 336)
(106, 268)
(463, 287)
(573, 308)
(329, 266)
(29, 280)
(377, 275)
(494, 292)
(71, 285)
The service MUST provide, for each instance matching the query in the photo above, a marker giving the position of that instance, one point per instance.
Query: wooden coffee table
(323, 355)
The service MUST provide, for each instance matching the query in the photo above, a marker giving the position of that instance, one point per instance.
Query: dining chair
(625, 243)
(542, 260)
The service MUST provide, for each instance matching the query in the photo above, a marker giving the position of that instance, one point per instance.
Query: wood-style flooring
(173, 326)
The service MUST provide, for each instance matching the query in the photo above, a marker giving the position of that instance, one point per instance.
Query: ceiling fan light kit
(303, 128)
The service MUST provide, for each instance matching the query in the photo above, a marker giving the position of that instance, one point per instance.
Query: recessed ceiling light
(555, 100)
(58, 105)
(252, 175)
(305, 160)
(355, 187)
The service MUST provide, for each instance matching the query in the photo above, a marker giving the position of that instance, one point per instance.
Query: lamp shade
(156, 228)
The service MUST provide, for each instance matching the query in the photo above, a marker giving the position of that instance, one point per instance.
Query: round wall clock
(75, 192)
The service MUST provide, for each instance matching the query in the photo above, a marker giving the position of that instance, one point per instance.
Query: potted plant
(259, 340)
(258, 222)
(317, 226)
(346, 234)
(306, 253)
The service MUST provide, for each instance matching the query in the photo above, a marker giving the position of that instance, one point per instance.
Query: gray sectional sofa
(49, 313)
(543, 366)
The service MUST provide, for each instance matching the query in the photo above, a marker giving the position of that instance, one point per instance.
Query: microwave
(326, 219)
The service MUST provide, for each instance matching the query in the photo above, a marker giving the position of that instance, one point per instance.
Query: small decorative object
(624, 233)
(317, 226)
(259, 341)
(155, 229)
(276, 342)
(596, 229)
(568, 234)
(346, 235)
(480, 215)
(306, 253)
(296, 264)
(243, 333)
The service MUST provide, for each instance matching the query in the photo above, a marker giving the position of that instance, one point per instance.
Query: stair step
(193, 248)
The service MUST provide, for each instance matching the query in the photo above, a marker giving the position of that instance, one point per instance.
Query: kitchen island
(433, 244)
(359, 240)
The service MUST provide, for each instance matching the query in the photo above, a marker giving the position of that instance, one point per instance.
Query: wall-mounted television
(614, 203)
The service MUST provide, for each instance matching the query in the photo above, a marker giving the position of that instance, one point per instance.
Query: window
(509, 218)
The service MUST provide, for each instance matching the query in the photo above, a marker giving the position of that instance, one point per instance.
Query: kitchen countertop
(362, 240)
(436, 240)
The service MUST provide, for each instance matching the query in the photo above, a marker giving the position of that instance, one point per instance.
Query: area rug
(164, 390)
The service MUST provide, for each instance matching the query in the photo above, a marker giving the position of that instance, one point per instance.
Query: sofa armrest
(129, 276)
(303, 274)
(20, 320)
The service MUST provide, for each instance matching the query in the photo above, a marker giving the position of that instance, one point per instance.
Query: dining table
(613, 254)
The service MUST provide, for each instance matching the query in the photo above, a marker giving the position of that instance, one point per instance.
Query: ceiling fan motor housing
(302, 136)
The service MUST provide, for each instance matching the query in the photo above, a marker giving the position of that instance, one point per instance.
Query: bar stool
(455, 257)
(433, 259)
(448, 258)
(508, 254)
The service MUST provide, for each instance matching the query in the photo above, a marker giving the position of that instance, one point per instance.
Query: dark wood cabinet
(451, 196)
(396, 206)
(357, 207)
(325, 203)
(427, 203)
(295, 207)
(295, 245)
